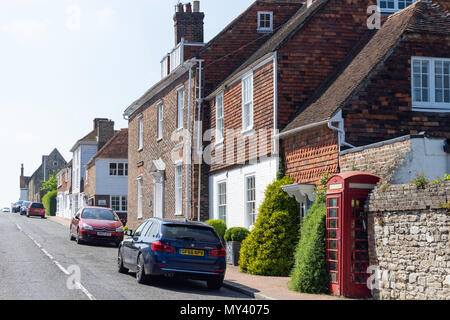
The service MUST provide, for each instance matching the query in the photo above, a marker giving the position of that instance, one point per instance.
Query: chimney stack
(189, 23)
(105, 131)
(22, 171)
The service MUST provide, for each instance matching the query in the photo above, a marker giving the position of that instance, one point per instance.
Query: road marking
(48, 255)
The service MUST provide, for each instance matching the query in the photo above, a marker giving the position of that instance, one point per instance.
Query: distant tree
(51, 184)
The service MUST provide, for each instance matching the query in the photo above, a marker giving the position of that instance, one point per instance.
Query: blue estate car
(188, 249)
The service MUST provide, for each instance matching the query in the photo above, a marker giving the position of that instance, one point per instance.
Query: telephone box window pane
(360, 224)
(333, 276)
(332, 255)
(361, 235)
(333, 266)
(361, 245)
(332, 224)
(332, 244)
(361, 256)
(332, 213)
(359, 278)
(332, 202)
(332, 234)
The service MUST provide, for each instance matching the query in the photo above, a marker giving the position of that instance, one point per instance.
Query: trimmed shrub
(310, 274)
(236, 234)
(218, 225)
(269, 249)
(49, 202)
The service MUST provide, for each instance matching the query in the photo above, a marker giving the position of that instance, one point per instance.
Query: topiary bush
(49, 202)
(269, 248)
(218, 225)
(236, 234)
(310, 274)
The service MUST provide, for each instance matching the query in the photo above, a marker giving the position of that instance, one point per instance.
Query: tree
(51, 184)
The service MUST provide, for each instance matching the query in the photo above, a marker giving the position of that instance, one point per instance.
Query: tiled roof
(423, 16)
(115, 148)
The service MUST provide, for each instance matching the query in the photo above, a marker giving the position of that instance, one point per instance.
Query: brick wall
(409, 241)
(382, 108)
(263, 104)
(382, 159)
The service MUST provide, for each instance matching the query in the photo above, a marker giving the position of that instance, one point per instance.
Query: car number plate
(104, 234)
(192, 252)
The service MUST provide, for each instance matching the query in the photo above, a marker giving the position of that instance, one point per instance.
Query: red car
(97, 225)
(36, 209)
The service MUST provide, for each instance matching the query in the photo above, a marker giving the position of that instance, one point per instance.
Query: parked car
(36, 209)
(24, 207)
(174, 248)
(16, 207)
(96, 224)
(5, 210)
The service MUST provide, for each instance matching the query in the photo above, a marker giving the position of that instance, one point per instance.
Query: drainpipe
(199, 134)
(341, 133)
(188, 161)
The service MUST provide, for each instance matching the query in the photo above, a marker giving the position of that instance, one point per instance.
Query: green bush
(218, 225)
(236, 234)
(310, 274)
(49, 202)
(269, 248)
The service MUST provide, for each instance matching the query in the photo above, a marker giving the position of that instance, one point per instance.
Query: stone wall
(409, 241)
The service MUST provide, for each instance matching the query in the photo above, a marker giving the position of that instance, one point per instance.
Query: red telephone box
(347, 241)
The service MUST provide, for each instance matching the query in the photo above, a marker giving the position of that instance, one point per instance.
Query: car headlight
(120, 229)
(87, 227)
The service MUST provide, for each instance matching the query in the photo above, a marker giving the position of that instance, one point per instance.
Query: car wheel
(120, 266)
(215, 284)
(71, 237)
(141, 277)
(79, 241)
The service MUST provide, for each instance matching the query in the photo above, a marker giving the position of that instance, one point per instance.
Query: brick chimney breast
(105, 131)
(189, 24)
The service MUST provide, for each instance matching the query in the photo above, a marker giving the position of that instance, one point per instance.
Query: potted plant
(233, 238)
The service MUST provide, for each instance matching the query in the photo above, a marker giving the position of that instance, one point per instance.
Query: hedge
(236, 234)
(49, 202)
(310, 274)
(269, 249)
(218, 225)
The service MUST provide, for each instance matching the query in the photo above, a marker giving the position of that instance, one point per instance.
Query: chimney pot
(180, 7)
(196, 6)
(188, 7)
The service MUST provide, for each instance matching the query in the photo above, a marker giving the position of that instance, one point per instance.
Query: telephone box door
(333, 242)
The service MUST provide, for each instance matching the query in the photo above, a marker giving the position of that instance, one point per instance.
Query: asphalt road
(39, 262)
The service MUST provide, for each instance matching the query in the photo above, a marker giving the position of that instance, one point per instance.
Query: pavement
(257, 287)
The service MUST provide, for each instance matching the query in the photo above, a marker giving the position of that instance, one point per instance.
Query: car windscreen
(99, 214)
(37, 206)
(26, 204)
(189, 233)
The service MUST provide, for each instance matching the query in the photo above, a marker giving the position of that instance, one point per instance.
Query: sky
(65, 62)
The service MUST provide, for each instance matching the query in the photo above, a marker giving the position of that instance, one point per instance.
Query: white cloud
(107, 18)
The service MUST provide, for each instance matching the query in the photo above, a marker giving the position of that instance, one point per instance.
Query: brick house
(397, 83)
(24, 181)
(164, 179)
(82, 152)
(50, 163)
(106, 180)
(64, 197)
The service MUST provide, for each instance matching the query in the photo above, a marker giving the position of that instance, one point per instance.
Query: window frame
(247, 201)
(121, 200)
(219, 204)
(392, 10)
(265, 29)
(140, 132)
(250, 103)
(178, 177)
(160, 126)
(431, 105)
(218, 118)
(180, 109)
(140, 208)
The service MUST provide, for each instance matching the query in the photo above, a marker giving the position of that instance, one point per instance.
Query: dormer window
(390, 6)
(265, 21)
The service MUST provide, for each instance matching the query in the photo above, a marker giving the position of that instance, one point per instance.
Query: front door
(158, 200)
